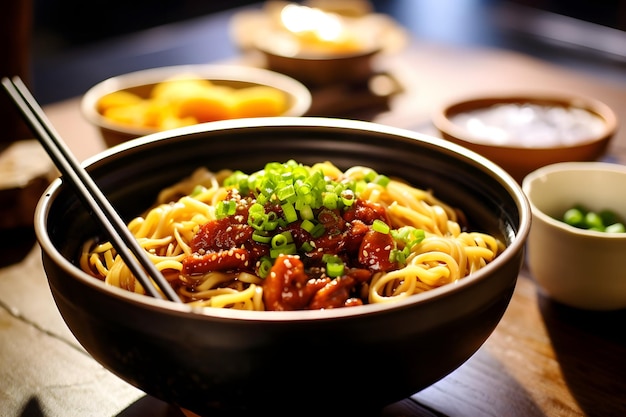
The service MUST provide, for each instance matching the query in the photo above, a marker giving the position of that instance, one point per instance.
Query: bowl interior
(487, 198)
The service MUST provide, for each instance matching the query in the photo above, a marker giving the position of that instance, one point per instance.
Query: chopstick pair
(122, 239)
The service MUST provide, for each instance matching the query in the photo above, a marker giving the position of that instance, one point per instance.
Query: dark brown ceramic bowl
(318, 71)
(344, 361)
(520, 159)
(317, 67)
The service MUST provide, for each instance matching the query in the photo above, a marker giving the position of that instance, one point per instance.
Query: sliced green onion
(329, 200)
(380, 226)
(359, 187)
(318, 230)
(287, 249)
(300, 191)
(287, 176)
(315, 229)
(256, 208)
(347, 197)
(408, 236)
(257, 220)
(198, 189)
(306, 212)
(399, 255)
(265, 266)
(271, 221)
(286, 192)
(289, 212)
(370, 175)
(334, 270)
(307, 247)
(381, 180)
(281, 239)
(261, 236)
(225, 208)
(302, 188)
(220, 210)
(334, 265)
(261, 199)
(238, 180)
(307, 225)
(315, 179)
(330, 258)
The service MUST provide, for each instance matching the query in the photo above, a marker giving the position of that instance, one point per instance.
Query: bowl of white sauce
(524, 132)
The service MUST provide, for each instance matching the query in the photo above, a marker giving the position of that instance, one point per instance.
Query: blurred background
(76, 43)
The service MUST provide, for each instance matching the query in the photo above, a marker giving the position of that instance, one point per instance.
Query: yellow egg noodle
(446, 254)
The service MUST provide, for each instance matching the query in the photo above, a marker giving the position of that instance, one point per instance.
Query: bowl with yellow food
(143, 102)
(318, 43)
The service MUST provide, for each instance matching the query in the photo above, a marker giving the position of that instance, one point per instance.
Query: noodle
(182, 230)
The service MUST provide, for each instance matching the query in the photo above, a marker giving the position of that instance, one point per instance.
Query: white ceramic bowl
(577, 267)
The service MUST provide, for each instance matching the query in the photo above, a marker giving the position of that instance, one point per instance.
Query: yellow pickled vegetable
(184, 101)
(177, 89)
(258, 101)
(118, 99)
(130, 115)
(208, 105)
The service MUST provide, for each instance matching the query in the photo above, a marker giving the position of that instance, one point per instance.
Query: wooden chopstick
(122, 239)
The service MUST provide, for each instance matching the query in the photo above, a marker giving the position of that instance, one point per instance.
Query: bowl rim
(442, 116)
(262, 45)
(541, 175)
(266, 30)
(302, 97)
(143, 301)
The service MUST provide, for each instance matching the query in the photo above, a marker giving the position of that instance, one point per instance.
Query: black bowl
(223, 362)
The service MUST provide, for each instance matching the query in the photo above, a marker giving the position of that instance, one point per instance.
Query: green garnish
(603, 221)
(300, 186)
(301, 191)
(406, 238)
(334, 265)
(298, 189)
(380, 226)
(265, 266)
(225, 208)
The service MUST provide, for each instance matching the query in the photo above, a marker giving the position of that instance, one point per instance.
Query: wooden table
(543, 359)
